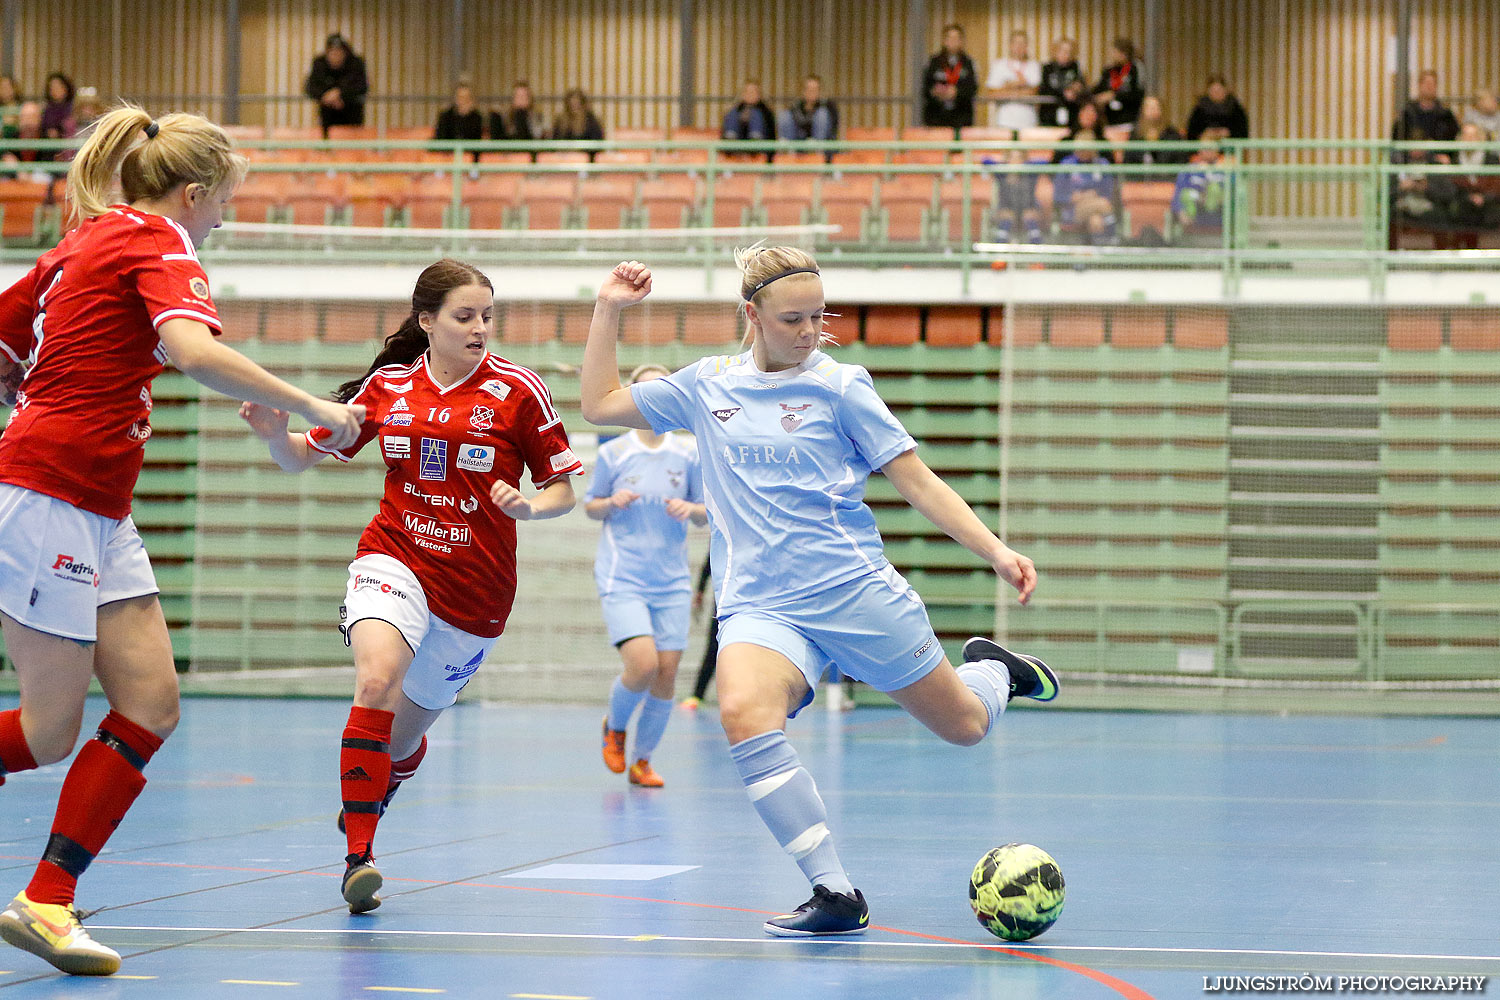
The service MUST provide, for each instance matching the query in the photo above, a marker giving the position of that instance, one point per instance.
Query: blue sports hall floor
(1193, 846)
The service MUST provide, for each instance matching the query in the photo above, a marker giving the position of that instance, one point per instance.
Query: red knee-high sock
(15, 755)
(364, 773)
(102, 783)
(404, 769)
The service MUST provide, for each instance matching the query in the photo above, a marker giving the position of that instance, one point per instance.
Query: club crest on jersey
(400, 406)
(674, 476)
(476, 458)
(496, 388)
(198, 287)
(434, 459)
(483, 418)
(396, 447)
(726, 413)
(403, 387)
(791, 417)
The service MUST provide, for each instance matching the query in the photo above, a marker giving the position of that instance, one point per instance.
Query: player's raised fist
(510, 501)
(627, 284)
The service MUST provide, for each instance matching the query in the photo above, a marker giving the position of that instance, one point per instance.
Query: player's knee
(54, 740)
(377, 689)
(965, 732)
(743, 717)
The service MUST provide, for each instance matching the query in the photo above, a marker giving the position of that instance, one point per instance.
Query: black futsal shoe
(361, 883)
(1029, 676)
(827, 913)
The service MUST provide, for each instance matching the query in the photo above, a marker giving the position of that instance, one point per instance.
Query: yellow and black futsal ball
(1016, 891)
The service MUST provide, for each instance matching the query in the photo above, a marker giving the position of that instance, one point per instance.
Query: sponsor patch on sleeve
(198, 287)
(564, 459)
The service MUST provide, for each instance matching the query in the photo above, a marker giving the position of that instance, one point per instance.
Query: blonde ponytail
(760, 266)
(149, 158)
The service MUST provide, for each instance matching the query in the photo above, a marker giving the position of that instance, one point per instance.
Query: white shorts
(444, 658)
(60, 564)
(664, 617)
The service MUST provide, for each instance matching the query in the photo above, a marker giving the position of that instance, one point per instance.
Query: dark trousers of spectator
(710, 660)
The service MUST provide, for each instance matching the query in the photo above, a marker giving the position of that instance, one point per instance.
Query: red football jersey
(443, 449)
(86, 316)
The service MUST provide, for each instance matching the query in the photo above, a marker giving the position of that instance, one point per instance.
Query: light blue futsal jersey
(785, 459)
(642, 548)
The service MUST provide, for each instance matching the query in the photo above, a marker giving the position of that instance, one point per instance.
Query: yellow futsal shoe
(642, 774)
(52, 933)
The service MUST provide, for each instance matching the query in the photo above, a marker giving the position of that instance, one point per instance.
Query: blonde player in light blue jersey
(788, 437)
(646, 488)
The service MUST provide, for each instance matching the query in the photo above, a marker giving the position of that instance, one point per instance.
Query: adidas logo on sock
(355, 773)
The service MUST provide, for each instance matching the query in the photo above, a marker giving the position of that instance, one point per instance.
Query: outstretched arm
(605, 402)
(289, 450)
(937, 502)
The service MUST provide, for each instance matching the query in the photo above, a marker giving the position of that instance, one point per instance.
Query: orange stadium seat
(509, 156)
(21, 200)
(653, 325)
(800, 159)
(868, 134)
(241, 319)
(527, 322)
(906, 203)
(1022, 323)
(1041, 134)
(923, 134)
(1147, 203)
(547, 200)
(734, 197)
(1138, 326)
(985, 133)
(608, 200)
(951, 201)
(575, 318)
(290, 322)
(1200, 327)
(314, 201)
(845, 201)
(427, 205)
(892, 326)
(667, 200)
(710, 324)
(353, 322)
(787, 199)
(842, 324)
(624, 156)
(953, 326)
(1073, 326)
(861, 157)
(692, 133)
(1474, 330)
(563, 156)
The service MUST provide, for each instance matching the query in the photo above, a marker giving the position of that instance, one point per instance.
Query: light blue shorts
(873, 628)
(664, 617)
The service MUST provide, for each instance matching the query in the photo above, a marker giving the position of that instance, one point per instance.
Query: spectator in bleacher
(462, 120)
(1152, 126)
(577, 123)
(1477, 201)
(57, 114)
(1218, 114)
(1088, 123)
(751, 118)
(87, 108)
(517, 120)
(10, 107)
(1485, 112)
(1016, 207)
(1015, 76)
(951, 84)
(1119, 92)
(1422, 198)
(1062, 81)
(1085, 198)
(338, 83)
(1426, 117)
(813, 117)
(1201, 192)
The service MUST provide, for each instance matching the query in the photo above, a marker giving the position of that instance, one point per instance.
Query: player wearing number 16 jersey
(89, 327)
(435, 572)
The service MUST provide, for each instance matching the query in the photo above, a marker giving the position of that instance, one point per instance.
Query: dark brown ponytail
(409, 341)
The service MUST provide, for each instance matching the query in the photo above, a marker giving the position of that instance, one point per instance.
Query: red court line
(1127, 990)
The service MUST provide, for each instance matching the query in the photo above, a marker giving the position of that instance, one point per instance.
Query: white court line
(1020, 946)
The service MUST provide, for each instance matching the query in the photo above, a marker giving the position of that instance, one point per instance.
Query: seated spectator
(1119, 92)
(1062, 81)
(461, 121)
(1152, 126)
(1201, 192)
(1485, 112)
(1085, 198)
(577, 123)
(1218, 114)
(1088, 123)
(1477, 196)
(1426, 118)
(57, 114)
(1016, 206)
(516, 121)
(1016, 75)
(338, 83)
(28, 126)
(1422, 198)
(812, 117)
(751, 118)
(951, 84)
(88, 108)
(10, 107)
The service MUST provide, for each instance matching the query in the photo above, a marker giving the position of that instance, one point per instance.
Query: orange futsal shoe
(614, 748)
(641, 774)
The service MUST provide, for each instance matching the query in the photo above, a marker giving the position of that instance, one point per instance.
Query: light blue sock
(788, 802)
(622, 702)
(990, 682)
(653, 722)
